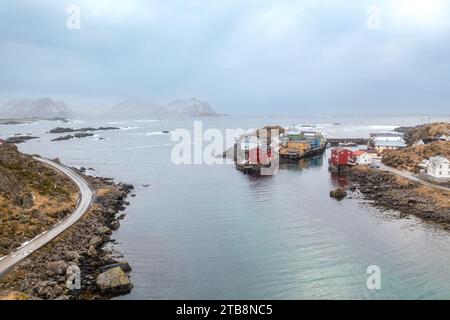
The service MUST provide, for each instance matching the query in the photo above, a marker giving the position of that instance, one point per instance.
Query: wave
(128, 128)
(322, 125)
(74, 121)
(148, 120)
(117, 122)
(155, 133)
(382, 127)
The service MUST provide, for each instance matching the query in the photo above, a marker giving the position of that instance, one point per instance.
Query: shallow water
(210, 232)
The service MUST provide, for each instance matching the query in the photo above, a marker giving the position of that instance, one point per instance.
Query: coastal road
(412, 177)
(86, 197)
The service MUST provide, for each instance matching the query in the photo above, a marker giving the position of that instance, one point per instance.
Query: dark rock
(95, 241)
(124, 265)
(104, 230)
(20, 139)
(91, 251)
(338, 193)
(72, 256)
(114, 225)
(57, 268)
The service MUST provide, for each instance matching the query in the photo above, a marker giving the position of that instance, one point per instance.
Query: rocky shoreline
(409, 198)
(87, 246)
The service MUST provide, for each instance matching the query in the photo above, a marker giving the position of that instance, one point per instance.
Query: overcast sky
(242, 56)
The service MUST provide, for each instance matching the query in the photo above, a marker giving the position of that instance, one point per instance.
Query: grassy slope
(33, 197)
(409, 158)
(431, 130)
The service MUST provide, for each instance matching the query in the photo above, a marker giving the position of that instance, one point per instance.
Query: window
(440, 173)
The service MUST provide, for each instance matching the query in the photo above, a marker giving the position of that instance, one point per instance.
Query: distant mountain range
(183, 107)
(47, 108)
(42, 108)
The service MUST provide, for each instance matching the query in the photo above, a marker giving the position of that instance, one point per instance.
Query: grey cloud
(242, 56)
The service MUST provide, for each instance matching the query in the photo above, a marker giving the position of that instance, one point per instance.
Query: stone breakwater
(409, 198)
(87, 246)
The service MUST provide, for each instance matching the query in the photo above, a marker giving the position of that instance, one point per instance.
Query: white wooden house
(438, 169)
(362, 158)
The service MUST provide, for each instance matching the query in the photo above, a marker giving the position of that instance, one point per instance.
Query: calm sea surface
(210, 232)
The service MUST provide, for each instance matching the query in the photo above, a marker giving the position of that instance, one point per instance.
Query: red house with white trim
(341, 156)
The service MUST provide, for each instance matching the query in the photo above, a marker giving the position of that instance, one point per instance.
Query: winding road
(411, 177)
(86, 197)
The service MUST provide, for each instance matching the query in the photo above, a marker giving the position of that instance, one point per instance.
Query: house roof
(340, 149)
(385, 143)
(385, 134)
(358, 153)
(438, 160)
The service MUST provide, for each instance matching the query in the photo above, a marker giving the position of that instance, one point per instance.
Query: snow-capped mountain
(190, 107)
(182, 107)
(42, 108)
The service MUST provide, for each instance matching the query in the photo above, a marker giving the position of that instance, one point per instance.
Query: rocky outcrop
(20, 139)
(89, 129)
(45, 273)
(77, 135)
(426, 131)
(388, 192)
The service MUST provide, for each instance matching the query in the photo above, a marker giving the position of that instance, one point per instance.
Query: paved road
(412, 177)
(85, 200)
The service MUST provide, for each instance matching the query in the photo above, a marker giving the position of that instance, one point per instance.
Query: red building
(341, 156)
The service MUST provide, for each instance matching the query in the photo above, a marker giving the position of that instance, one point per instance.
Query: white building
(362, 158)
(386, 141)
(438, 168)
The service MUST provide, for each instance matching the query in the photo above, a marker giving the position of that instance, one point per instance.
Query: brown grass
(409, 158)
(441, 197)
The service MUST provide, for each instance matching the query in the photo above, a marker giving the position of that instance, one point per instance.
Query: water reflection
(303, 164)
